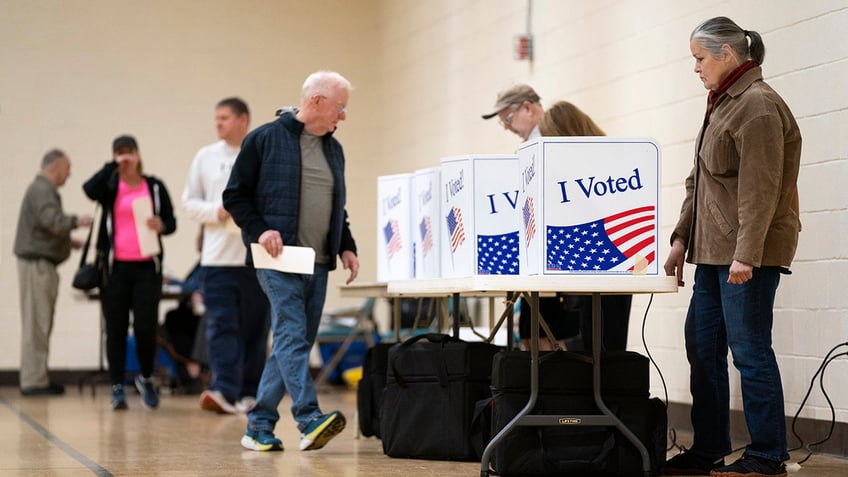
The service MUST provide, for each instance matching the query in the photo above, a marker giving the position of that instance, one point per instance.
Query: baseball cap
(515, 95)
(124, 141)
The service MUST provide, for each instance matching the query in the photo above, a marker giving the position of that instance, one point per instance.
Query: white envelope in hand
(148, 239)
(293, 259)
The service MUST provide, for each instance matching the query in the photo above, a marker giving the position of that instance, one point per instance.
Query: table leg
(597, 344)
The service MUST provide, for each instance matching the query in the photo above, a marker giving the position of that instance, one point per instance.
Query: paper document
(293, 259)
(148, 239)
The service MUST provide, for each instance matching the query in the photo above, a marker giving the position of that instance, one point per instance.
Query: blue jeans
(740, 317)
(297, 302)
(237, 323)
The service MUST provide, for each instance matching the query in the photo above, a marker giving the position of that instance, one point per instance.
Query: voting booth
(589, 205)
(394, 227)
(426, 225)
(479, 229)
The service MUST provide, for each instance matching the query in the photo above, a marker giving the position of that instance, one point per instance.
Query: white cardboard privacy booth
(394, 224)
(589, 205)
(480, 222)
(426, 225)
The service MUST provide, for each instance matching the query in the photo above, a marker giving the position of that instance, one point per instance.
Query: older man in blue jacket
(287, 187)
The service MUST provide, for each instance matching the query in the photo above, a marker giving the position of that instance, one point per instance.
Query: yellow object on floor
(352, 376)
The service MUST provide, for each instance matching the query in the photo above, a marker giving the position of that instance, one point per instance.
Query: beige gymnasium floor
(79, 435)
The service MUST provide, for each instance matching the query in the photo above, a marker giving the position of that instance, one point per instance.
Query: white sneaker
(216, 402)
(245, 404)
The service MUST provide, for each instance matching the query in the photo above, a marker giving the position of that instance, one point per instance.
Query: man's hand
(222, 213)
(271, 242)
(84, 220)
(740, 273)
(350, 262)
(674, 264)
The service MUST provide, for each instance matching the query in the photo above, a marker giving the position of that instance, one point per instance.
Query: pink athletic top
(126, 238)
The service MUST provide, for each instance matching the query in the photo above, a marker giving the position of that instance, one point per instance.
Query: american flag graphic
(612, 243)
(455, 228)
(426, 235)
(392, 234)
(529, 219)
(497, 254)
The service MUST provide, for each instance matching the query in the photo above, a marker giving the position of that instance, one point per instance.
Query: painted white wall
(628, 65)
(75, 75)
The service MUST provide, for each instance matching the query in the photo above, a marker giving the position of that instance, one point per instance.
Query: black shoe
(751, 466)
(49, 390)
(689, 463)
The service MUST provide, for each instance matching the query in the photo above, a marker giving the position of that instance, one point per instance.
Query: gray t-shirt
(316, 198)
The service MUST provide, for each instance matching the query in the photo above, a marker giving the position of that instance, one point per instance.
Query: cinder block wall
(74, 77)
(628, 65)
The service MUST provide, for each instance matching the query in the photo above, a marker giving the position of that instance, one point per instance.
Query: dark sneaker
(751, 466)
(149, 396)
(689, 463)
(119, 399)
(49, 390)
(319, 432)
(261, 441)
(216, 402)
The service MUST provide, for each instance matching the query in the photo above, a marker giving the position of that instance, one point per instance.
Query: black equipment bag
(432, 385)
(369, 392)
(565, 389)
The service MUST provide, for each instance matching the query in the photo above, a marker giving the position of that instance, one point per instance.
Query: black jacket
(103, 187)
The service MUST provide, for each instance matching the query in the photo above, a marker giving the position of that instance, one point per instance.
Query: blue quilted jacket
(263, 192)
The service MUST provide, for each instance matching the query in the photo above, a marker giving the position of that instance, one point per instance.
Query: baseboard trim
(678, 415)
(810, 430)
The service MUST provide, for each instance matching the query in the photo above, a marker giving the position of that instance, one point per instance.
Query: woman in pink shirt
(134, 206)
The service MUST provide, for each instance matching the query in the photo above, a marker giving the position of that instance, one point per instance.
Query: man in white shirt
(237, 311)
(519, 110)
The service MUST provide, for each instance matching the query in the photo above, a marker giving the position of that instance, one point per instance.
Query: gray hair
(52, 156)
(719, 31)
(321, 82)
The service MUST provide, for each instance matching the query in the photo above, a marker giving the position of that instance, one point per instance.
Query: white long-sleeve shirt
(207, 179)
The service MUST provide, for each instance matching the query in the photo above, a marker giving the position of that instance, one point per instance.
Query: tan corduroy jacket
(742, 195)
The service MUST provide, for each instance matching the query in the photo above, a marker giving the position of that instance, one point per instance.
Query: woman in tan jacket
(739, 225)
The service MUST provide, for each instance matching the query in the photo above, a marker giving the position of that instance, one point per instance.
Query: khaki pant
(38, 281)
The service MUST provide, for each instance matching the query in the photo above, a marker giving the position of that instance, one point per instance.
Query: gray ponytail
(718, 31)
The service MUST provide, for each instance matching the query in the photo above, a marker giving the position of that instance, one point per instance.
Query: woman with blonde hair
(566, 119)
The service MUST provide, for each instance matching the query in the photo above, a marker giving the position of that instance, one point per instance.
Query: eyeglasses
(507, 120)
(339, 108)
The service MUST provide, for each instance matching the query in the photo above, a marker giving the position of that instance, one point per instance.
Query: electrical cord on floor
(672, 433)
(820, 374)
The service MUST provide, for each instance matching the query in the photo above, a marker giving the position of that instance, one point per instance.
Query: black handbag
(89, 275)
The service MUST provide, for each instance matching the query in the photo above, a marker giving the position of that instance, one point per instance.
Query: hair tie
(745, 32)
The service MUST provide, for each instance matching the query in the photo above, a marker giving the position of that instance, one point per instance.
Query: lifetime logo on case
(570, 420)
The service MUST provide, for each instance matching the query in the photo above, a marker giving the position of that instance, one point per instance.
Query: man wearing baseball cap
(519, 110)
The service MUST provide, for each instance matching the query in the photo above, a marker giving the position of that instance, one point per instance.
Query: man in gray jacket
(43, 241)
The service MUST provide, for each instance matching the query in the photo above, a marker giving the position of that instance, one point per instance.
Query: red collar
(731, 78)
